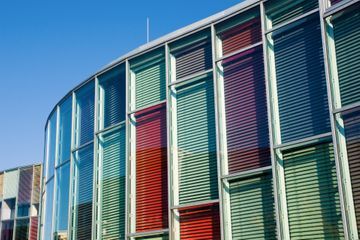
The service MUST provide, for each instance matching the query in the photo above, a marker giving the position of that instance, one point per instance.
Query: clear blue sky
(48, 47)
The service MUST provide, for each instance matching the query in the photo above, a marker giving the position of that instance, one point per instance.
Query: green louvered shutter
(113, 185)
(280, 11)
(150, 78)
(197, 141)
(252, 208)
(312, 193)
(347, 35)
(11, 184)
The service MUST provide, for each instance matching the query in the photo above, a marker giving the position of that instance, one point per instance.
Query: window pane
(48, 209)
(65, 130)
(52, 146)
(7, 230)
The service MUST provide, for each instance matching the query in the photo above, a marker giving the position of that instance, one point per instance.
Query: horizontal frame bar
(112, 127)
(145, 107)
(346, 108)
(248, 173)
(190, 77)
(195, 204)
(148, 234)
(304, 141)
(82, 146)
(339, 7)
(239, 51)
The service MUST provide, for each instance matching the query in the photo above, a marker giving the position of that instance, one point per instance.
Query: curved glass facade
(241, 126)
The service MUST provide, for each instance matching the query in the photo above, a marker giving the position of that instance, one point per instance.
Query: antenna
(147, 29)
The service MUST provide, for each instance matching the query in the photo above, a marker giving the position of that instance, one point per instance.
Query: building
(244, 125)
(19, 202)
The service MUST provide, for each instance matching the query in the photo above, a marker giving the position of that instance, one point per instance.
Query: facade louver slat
(301, 84)
(346, 36)
(22, 229)
(201, 223)
(33, 228)
(84, 193)
(113, 185)
(85, 113)
(113, 84)
(25, 184)
(352, 134)
(11, 184)
(312, 193)
(252, 208)
(194, 58)
(36, 185)
(151, 169)
(280, 11)
(197, 141)
(246, 111)
(150, 78)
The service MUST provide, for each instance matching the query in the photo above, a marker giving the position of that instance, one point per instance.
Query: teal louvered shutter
(197, 141)
(11, 184)
(346, 36)
(150, 78)
(113, 184)
(252, 208)
(280, 11)
(312, 193)
(301, 84)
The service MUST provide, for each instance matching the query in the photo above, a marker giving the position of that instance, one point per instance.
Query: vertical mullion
(16, 205)
(96, 119)
(337, 124)
(127, 140)
(72, 167)
(274, 129)
(217, 102)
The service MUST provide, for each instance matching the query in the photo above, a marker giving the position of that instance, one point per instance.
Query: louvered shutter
(312, 193)
(346, 36)
(22, 229)
(85, 113)
(113, 185)
(33, 228)
(7, 230)
(36, 185)
(202, 222)
(246, 111)
(352, 134)
(25, 184)
(301, 84)
(252, 208)
(150, 78)
(246, 30)
(194, 57)
(1, 186)
(197, 141)
(113, 84)
(151, 169)
(65, 130)
(84, 163)
(11, 184)
(280, 11)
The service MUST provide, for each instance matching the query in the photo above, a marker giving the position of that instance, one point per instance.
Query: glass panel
(11, 184)
(62, 201)
(48, 209)
(85, 98)
(7, 230)
(83, 195)
(23, 210)
(22, 229)
(65, 131)
(52, 146)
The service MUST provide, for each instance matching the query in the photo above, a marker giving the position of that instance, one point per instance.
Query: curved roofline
(199, 25)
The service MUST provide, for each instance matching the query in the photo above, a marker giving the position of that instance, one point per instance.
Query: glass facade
(242, 126)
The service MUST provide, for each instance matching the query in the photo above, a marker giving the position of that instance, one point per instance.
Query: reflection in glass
(48, 209)
(65, 131)
(51, 146)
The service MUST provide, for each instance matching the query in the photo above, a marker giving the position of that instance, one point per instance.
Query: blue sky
(48, 47)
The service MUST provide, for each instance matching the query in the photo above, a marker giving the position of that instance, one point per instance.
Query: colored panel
(246, 111)
(11, 184)
(284, 10)
(85, 113)
(252, 208)
(7, 230)
(22, 229)
(245, 31)
(33, 228)
(25, 184)
(194, 57)
(82, 218)
(113, 184)
(151, 169)
(48, 215)
(346, 36)
(312, 193)
(150, 78)
(65, 131)
(352, 134)
(51, 146)
(62, 199)
(36, 185)
(113, 85)
(200, 223)
(301, 81)
(1, 185)
(197, 141)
